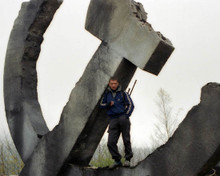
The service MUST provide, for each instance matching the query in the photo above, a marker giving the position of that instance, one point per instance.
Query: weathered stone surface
(76, 137)
(122, 24)
(23, 111)
(55, 147)
(75, 131)
(87, 142)
(193, 150)
(92, 133)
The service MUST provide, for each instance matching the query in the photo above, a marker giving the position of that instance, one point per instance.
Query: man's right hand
(111, 103)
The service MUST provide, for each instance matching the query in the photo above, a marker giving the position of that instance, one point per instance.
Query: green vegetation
(102, 157)
(10, 161)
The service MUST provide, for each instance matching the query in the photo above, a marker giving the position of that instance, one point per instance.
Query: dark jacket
(123, 104)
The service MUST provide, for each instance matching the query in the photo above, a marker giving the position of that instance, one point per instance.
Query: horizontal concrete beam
(117, 22)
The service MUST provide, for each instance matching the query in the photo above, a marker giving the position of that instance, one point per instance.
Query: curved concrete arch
(24, 116)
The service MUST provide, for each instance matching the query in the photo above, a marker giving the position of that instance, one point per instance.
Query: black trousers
(117, 126)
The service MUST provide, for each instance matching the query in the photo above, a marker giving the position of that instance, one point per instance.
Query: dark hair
(113, 78)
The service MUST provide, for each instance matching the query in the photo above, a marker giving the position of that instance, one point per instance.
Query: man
(119, 107)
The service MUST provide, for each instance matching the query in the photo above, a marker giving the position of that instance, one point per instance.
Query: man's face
(113, 84)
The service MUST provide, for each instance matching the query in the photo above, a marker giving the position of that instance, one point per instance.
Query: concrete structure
(122, 24)
(194, 149)
(128, 41)
(75, 138)
(24, 116)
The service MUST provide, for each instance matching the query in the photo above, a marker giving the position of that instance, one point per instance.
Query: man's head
(113, 83)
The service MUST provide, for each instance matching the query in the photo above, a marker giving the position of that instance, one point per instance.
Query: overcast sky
(192, 26)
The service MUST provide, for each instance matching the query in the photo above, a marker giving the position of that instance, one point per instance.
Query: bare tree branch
(166, 119)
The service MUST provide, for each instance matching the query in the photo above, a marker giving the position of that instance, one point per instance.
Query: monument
(128, 42)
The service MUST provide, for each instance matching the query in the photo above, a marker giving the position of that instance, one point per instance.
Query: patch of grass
(10, 161)
(102, 157)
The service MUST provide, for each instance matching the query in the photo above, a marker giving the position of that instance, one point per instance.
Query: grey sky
(192, 26)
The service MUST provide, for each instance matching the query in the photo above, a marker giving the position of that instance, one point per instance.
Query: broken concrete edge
(209, 92)
(122, 24)
(137, 9)
(215, 159)
(108, 11)
(23, 112)
(199, 161)
(32, 48)
(205, 95)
